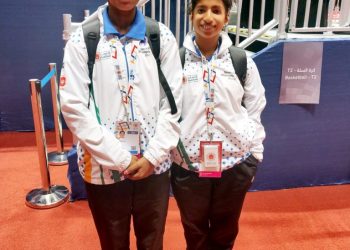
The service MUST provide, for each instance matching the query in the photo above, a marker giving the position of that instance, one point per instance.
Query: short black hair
(193, 4)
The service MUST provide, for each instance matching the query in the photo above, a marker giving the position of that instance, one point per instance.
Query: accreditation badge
(128, 133)
(210, 159)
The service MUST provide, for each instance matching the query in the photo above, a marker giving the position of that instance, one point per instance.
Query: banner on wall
(301, 73)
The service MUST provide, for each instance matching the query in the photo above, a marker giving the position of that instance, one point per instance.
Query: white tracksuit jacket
(238, 127)
(100, 154)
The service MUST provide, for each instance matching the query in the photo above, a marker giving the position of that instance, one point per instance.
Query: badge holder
(210, 158)
(128, 133)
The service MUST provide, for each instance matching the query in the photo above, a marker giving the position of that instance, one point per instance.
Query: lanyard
(209, 80)
(125, 70)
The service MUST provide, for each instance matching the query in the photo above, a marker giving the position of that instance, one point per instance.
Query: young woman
(220, 130)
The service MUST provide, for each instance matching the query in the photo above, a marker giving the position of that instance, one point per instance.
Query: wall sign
(301, 73)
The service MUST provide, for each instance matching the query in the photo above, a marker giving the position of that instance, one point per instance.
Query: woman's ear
(227, 18)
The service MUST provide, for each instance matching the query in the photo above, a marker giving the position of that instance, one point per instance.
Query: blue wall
(306, 144)
(31, 37)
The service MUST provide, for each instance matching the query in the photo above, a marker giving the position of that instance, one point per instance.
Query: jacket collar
(136, 31)
(189, 43)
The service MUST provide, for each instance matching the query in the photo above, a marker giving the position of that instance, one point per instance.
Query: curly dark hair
(193, 4)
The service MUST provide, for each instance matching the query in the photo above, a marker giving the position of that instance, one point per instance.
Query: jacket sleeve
(167, 129)
(82, 121)
(255, 102)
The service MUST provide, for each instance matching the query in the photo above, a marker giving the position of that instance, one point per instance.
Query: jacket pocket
(249, 167)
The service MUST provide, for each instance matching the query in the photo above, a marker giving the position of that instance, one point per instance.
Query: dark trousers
(113, 205)
(210, 208)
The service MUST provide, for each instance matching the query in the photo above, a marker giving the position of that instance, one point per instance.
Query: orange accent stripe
(88, 167)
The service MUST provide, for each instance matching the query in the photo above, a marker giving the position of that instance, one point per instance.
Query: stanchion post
(59, 157)
(35, 91)
(86, 13)
(67, 23)
(49, 195)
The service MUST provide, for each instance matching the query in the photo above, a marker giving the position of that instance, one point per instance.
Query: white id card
(210, 155)
(128, 133)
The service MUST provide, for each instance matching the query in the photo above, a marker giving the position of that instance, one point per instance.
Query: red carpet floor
(294, 219)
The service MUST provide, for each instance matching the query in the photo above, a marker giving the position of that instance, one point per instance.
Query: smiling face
(208, 18)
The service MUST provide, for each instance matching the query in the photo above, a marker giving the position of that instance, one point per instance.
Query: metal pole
(345, 14)
(178, 19)
(48, 196)
(153, 9)
(258, 33)
(293, 15)
(250, 19)
(59, 157)
(166, 13)
(262, 14)
(307, 14)
(67, 22)
(86, 13)
(331, 6)
(276, 9)
(69, 26)
(185, 19)
(161, 11)
(319, 13)
(169, 14)
(190, 24)
(282, 20)
(35, 89)
(238, 26)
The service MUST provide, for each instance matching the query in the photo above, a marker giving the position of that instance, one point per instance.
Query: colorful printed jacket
(238, 127)
(101, 156)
